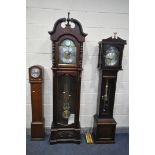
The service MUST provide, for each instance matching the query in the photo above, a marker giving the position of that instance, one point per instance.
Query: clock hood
(59, 31)
(112, 40)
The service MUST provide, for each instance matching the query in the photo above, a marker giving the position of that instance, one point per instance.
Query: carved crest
(59, 30)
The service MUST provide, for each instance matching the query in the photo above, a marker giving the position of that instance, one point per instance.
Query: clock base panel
(37, 131)
(65, 135)
(104, 130)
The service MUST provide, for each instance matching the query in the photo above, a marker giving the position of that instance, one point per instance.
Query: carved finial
(68, 14)
(68, 19)
(115, 34)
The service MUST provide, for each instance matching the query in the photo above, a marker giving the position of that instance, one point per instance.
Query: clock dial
(67, 52)
(35, 72)
(111, 56)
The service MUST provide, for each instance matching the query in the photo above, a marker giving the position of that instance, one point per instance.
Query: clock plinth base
(65, 135)
(104, 130)
(37, 131)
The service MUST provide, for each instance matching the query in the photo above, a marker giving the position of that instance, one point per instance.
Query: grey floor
(121, 147)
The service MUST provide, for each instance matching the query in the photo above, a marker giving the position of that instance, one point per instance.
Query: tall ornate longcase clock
(67, 39)
(36, 80)
(109, 63)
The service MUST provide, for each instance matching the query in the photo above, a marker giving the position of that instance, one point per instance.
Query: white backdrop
(99, 19)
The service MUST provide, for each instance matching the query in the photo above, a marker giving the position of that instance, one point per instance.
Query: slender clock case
(37, 124)
(104, 123)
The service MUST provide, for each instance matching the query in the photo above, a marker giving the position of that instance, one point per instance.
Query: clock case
(66, 133)
(37, 124)
(104, 123)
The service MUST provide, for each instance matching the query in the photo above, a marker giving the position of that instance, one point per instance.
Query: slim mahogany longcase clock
(67, 50)
(36, 80)
(109, 63)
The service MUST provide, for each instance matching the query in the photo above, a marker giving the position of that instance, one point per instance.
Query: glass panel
(66, 99)
(35, 72)
(111, 56)
(67, 52)
(108, 94)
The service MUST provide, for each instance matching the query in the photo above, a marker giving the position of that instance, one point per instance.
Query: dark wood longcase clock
(109, 63)
(67, 49)
(36, 80)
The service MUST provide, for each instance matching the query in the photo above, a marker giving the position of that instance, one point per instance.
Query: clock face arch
(67, 52)
(111, 56)
(35, 72)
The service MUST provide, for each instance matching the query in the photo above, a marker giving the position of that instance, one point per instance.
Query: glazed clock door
(66, 98)
(35, 72)
(107, 96)
(68, 52)
(111, 56)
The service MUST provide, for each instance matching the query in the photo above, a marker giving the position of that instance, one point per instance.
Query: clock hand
(110, 58)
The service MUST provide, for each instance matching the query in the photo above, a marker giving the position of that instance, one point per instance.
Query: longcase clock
(67, 49)
(109, 63)
(36, 80)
